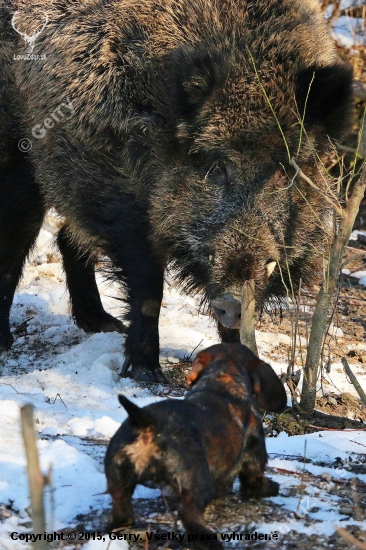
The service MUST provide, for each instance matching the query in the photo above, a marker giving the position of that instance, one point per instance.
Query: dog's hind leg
(253, 483)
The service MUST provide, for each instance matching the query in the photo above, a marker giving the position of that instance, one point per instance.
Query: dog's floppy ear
(201, 361)
(268, 389)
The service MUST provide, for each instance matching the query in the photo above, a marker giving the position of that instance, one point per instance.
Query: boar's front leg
(142, 276)
(144, 280)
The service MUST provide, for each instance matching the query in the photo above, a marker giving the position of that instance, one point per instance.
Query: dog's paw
(260, 488)
(270, 488)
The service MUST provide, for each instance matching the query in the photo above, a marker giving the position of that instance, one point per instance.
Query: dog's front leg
(190, 511)
(253, 483)
(122, 511)
(196, 492)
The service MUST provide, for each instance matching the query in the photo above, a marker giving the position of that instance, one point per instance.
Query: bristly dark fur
(172, 153)
(199, 445)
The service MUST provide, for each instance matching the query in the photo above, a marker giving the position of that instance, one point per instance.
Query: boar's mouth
(227, 310)
(227, 306)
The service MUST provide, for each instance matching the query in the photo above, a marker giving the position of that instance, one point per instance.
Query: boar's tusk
(270, 267)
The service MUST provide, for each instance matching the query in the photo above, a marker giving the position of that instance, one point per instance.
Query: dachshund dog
(197, 446)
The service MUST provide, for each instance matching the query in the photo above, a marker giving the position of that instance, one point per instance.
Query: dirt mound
(342, 405)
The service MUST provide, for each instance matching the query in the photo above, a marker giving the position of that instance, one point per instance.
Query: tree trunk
(327, 291)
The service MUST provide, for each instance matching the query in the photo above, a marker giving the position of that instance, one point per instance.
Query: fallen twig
(58, 395)
(358, 250)
(321, 428)
(354, 380)
(346, 149)
(146, 539)
(351, 539)
(4, 384)
(22, 326)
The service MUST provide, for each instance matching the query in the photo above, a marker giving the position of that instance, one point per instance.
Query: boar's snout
(227, 310)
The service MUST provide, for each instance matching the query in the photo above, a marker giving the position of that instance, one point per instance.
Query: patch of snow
(72, 380)
(324, 446)
(335, 331)
(349, 31)
(359, 274)
(355, 233)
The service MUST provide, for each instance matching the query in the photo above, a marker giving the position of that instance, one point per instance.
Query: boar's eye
(221, 174)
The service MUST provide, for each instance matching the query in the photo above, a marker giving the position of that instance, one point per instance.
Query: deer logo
(29, 40)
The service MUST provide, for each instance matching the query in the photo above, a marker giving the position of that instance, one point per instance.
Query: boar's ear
(269, 392)
(325, 94)
(194, 79)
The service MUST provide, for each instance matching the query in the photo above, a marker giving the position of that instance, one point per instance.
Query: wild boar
(175, 149)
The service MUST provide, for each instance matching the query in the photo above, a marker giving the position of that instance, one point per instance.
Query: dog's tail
(138, 417)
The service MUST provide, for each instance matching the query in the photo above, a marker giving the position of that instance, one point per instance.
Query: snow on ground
(348, 31)
(360, 275)
(72, 380)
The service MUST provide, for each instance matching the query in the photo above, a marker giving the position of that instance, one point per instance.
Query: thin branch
(333, 204)
(347, 149)
(269, 103)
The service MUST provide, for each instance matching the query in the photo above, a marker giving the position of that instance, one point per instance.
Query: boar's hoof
(104, 323)
(142, 374)
(111, 324)
(6, 341)
(227, 311)
(160, 376)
